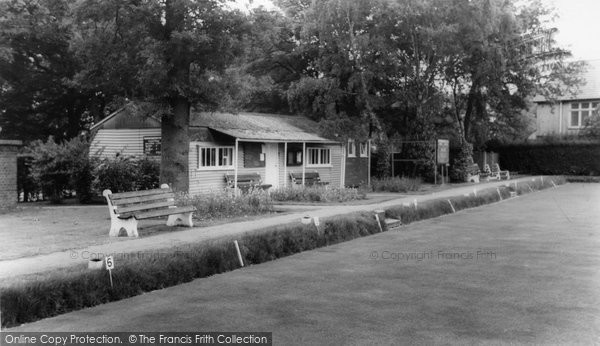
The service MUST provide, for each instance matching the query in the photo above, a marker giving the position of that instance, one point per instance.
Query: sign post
(110, 265)
(443, 154)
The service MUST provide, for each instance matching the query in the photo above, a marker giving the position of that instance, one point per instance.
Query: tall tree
(36, 64)
(166, 53)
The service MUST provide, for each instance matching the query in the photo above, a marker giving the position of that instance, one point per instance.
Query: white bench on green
(126, 208)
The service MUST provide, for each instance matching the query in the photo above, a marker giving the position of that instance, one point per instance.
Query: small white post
(415, 203)
(542, 177)
(316, 222)
(378, 222)
(239, 253)
(530, 189)
(451, 206)
(553, 184)
(475, 192)
(499, 194)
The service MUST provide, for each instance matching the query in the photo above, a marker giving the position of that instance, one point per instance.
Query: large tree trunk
(174, 167)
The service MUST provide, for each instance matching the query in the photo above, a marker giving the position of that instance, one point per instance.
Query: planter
(306, 220)
(96, 264)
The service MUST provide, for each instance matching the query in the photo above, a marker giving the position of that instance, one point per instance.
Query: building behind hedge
(223, 143)
(569, 114)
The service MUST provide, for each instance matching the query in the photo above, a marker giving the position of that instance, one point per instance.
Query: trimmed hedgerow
(31, 301)
(438, 207)
(563, 158)
(74, 290)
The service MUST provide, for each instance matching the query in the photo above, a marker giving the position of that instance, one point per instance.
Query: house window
(294, 157)
(363, 149)
(318, 157)
(351, 148)
(580, 113)
(215, 157)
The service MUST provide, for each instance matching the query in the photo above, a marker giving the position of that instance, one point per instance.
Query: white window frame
(577, 108)
(363, 149)
(351, 148)
(319, 155)
(218, 151)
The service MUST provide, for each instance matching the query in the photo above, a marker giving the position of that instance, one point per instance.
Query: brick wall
(8, 173)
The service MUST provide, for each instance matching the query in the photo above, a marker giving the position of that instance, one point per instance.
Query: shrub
(57, 167)
(126, 173)
(396, 184)
(462, 161)
(559, 158)
(317, 194)
(225, 204)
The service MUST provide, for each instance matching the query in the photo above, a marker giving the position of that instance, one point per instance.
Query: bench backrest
(243, 179)
(310, 178)
(495, 168)
(134, 201)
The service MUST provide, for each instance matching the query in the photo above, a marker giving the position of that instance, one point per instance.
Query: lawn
(33, 230)
(536, 282)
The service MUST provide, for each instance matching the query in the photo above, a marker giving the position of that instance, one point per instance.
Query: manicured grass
(537, 284)
(68, 291)
(30, 301)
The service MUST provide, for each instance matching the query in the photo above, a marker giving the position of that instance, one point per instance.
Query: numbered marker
(316, 221)
(110, 263)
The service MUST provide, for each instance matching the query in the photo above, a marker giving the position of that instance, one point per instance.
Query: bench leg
(130, 226)
(184, 219)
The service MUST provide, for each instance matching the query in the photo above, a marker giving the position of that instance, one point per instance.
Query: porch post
(285, 164)
(235, 167)
(303, 161)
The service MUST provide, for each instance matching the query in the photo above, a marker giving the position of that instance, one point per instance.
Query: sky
(579, 27)
(578, 24)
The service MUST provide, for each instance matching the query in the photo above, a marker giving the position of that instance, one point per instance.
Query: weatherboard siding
(202, 181)
(107, 143)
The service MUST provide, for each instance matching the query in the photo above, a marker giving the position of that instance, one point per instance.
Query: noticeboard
(152, 146)
(443, 151)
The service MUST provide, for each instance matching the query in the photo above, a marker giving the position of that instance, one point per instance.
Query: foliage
(565, 158)
(125, 173)
(221, 204)
(381, 166)
(461, 162)
(57, 167)
(317, 194)
(396, 184)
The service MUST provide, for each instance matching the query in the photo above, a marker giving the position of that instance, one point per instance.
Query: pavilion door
(272, 164)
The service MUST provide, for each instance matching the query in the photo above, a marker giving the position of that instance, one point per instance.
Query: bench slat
(129, 200)
(144, 206)
(159, 212)
(121, 195)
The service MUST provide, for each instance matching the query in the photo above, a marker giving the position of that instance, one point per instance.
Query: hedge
(551, 158)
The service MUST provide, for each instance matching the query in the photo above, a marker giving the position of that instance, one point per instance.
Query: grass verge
(73, 290)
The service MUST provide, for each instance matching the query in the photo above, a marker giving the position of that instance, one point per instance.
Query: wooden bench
(127, 208)
(473, 173)
(486, 173)
(310, 179)
(500, 174)
(246, 181)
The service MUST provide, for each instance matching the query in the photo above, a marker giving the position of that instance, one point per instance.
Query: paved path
(42, 263)
(532, 277)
